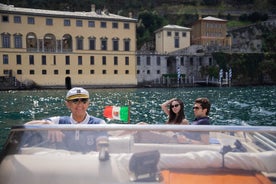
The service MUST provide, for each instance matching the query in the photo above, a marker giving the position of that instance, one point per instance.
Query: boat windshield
(138, 153)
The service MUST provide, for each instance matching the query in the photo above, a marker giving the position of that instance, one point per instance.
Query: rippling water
(230, 106)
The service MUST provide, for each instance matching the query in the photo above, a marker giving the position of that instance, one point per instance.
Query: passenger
(77, 101)
(175, 111)
(201, 110)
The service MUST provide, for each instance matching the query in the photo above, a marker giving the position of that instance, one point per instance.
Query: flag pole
(129, 104)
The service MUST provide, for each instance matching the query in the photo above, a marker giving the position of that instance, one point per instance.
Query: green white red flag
(118, 113)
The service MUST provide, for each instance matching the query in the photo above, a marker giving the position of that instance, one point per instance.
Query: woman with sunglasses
(174, 108)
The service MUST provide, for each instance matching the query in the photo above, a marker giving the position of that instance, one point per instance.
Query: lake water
(230, 105)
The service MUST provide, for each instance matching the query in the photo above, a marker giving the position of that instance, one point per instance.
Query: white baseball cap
(77, 92)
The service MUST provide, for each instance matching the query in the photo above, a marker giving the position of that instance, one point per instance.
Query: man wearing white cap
(77, 101)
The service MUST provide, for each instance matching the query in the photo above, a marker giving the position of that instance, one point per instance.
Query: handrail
(135, 127)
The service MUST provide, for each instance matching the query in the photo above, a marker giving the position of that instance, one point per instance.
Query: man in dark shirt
(201, 110)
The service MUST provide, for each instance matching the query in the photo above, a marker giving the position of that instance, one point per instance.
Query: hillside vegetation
(153, 14)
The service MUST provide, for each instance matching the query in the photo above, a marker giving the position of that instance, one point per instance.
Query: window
(103, 24)
(43, 60)
(49, 21)
(44, 72)
(115, 72)
(79, 72)
(31, 20)
(7, 72)
(67, 72)
(17, 19)
(115, 25)
(126, 72)
(127, 44)
(104, 72)
(92, 43)
(191, 61)
(184, 34)
(67, 22)
(200, 61)
(6, 40)
(158, 72)
(5, 18)
(92, 71)
(126, 60)
(79, 60)
(138, 72)
(104, 43)
(54, 60)
(148, 60)
(67, 43)
(176, 42)
(19, 72)
(18, 60)
(182, 61)
(104, 60)
(148, 71)
(91, 23)
(18, 41)
(31, 59)
(126, 25)
(176, 34)
(67, 60)
(79, 43)
(158, 61)
(138, 61)
(5, 59)
(210, 61)
(32, 72)
(79, 23)
(115, 60)
(115, 44)
(169, 33)
(55, 72)
(92, 60)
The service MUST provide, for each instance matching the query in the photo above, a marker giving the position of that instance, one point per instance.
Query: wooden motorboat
(138, 154)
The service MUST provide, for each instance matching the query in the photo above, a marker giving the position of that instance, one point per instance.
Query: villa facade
(57, 48)
(210, 31)
(171, 38)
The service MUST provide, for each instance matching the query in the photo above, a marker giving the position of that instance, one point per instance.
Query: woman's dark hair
(173, 119)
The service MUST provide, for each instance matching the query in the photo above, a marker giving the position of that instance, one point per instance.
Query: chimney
(130, 14)
(93, 7)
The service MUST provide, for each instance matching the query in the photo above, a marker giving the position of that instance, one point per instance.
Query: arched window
(49, 43)
(31, 41)
(67, 43)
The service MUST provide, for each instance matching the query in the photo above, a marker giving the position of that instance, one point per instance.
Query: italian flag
(119, 113)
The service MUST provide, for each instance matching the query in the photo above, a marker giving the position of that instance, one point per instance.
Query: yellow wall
(59, 30)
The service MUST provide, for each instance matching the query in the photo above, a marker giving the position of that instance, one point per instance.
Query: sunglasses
(83, 100)
(196, 108)
(173, 106)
